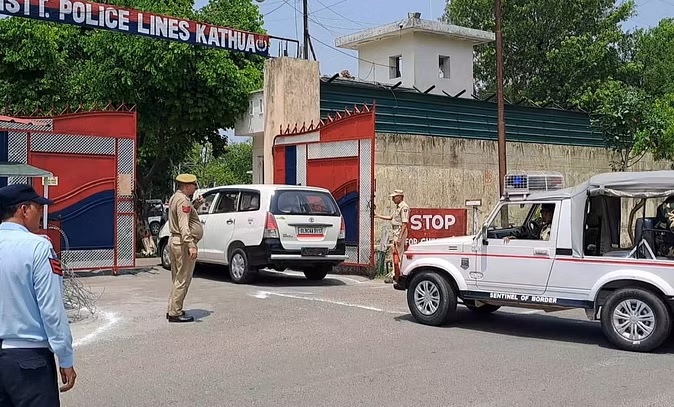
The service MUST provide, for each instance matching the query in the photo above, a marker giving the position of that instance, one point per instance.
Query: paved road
(285, 341)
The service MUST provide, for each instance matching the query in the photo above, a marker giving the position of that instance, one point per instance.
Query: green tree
(623, 115)
(229, 168)
(184, 94)
(656, 58)
(551, 50)
(37, 60)
(658, 138)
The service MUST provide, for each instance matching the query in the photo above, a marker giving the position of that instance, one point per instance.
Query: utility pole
(499, 99)
(305, 12)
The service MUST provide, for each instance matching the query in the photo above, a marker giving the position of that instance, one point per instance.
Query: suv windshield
(298, 202)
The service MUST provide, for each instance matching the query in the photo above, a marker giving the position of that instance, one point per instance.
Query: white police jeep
(598, 246)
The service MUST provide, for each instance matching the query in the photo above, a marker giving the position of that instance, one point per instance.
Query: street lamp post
(499, 99)
(305, 14)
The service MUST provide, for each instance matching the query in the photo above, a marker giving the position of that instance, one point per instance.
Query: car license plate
(314, 251)
(309, 231)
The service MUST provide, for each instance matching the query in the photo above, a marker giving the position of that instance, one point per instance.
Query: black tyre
(164, 253)
(431, 299)
(484, 309)
(636, 320)
(317, 274)
(155, 227)
(239, 269)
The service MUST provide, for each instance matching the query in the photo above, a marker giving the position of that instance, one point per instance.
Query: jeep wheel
(165, 259)
(239, 269)
(636, 320)
(431, 299)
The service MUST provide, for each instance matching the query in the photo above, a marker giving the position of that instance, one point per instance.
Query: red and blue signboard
(130, 21)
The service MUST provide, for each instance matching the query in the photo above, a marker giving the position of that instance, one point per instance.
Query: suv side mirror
(484, 235)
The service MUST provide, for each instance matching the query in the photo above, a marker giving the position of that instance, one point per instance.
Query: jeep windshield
(300, 202)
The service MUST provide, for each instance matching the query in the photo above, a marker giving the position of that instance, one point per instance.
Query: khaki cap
(397, 192)
(186, 178)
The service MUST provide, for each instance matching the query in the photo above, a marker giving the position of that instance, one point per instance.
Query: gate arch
(336, 154)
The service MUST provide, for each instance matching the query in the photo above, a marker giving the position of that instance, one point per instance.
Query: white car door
(204, 212)
(521, 264)
(220, 226)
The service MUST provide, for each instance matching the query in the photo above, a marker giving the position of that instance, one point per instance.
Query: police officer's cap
(17, 193)
(186, 178)
(397, 192)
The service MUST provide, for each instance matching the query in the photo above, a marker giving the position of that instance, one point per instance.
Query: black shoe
(180, 318)
(182, 313)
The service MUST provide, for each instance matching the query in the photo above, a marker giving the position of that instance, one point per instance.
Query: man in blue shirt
(33, 321)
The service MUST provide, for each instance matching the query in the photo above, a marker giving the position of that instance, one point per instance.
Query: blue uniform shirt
(31, 292)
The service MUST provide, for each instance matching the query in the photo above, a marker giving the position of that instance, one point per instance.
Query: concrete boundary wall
(441, 172)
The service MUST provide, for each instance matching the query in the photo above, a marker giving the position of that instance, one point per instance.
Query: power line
(332, 5)
(341, 15)
(279, 6)
(334, 48)
(347, 54)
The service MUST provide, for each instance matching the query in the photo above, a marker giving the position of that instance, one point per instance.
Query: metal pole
(45, 210)
(306, 28)
(499, 99)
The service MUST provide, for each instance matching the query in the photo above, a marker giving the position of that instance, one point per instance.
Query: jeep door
(219, 226)
(516, 259)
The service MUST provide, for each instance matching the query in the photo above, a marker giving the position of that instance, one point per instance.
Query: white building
(252, 125)
(419, 53)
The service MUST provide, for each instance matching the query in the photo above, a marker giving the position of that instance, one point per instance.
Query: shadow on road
(546, 326)
(264, 278)
(123, 272)
(198, 314)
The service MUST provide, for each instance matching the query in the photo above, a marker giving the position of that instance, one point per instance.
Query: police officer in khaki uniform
(399, 222)
(185, 232)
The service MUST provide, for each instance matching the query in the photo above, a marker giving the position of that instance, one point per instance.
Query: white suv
(251, 227)
(577, 256)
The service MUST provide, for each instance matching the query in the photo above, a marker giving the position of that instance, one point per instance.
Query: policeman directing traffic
(33, 320)
(399, 221)
(186, 231)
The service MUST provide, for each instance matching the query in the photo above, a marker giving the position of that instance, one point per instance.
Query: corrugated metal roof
(406, 111)
(10, 119)
(14, 169)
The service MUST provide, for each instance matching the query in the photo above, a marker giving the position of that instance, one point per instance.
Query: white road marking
(112, 319)
(335, 276)
(266, 294)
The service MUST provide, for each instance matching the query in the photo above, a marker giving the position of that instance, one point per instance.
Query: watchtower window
(395, 66)
(443, 67)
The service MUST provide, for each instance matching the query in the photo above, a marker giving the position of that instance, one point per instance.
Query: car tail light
(342, 230)
(271, 227)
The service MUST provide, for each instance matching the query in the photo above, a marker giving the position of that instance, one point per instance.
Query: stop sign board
(429, 224)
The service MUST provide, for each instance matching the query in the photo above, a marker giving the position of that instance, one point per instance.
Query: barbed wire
(79, 300)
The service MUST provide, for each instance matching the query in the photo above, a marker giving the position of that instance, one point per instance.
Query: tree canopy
(184, 94)
(577, 55)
